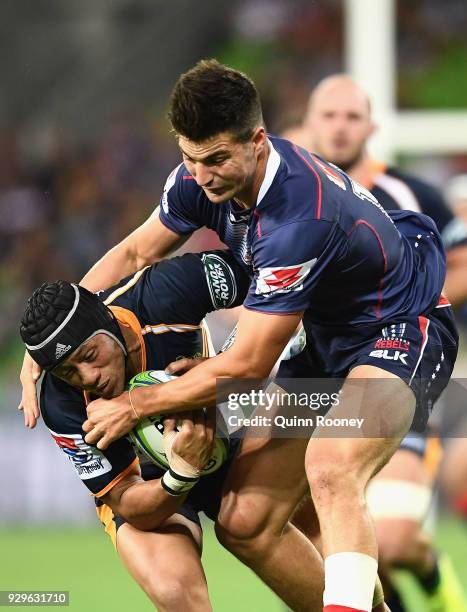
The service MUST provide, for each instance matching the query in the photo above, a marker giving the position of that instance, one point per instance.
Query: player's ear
(259, 139)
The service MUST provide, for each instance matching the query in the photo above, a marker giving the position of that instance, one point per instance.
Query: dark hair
(211, 98)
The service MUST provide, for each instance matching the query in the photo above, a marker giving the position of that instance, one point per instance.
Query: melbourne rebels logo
(283, 278)
(392, 346)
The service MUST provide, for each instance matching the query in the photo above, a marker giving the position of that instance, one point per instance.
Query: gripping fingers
(93, 435)
(181, 366)
(30, 374)
(210, 419)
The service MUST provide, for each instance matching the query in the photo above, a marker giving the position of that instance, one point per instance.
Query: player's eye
(90, 356)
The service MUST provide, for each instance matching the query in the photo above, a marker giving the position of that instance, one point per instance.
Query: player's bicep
(153, 240)
(98, 470)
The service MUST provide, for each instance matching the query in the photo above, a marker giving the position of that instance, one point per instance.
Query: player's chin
(218, 197)
(112, 389)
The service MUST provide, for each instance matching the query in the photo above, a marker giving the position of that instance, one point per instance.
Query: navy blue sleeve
(289, 262)
(179, 203)
(63, 409)
(184, 289)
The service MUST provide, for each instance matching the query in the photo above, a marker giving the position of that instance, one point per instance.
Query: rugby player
(321, 249)
(338, 125)
(94, 345)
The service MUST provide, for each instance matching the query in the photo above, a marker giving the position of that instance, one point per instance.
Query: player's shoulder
(62, 406)
(421, 189)
(292, 184)
(180, 183)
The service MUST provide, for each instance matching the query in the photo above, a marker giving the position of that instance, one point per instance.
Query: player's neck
(362, 171)
(248, 197)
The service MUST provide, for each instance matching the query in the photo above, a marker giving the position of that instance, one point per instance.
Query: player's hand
(108, 420)
(193, 443)
(30, 374)
(181, 366)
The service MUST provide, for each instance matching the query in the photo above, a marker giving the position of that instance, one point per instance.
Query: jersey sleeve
(64, 412)
(183, 290)
(180, 203)
(288, 264)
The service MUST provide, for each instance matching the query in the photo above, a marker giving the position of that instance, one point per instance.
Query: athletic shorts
(205, 496)
(419, 350)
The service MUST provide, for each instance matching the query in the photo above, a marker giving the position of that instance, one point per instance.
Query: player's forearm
(146, 505)
(197, 388)
(122, 260)
(147, 244)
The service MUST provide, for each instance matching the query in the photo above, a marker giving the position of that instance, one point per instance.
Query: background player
(337, 126)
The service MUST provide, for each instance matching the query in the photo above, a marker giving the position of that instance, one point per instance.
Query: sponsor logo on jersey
(239, 217)
(383, 343)
(88, 461)
(391, 356)
(221, 281)
(283, 279)
(392, 337)
(392, 345)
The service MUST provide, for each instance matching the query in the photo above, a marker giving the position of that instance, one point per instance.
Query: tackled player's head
(216, 114)
(339, 119)
(68, 331)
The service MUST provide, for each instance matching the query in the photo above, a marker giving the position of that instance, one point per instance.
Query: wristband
(175, 484)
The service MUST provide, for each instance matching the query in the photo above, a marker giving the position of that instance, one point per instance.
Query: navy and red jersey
(164, 305)
(398, 190)
(318, 242)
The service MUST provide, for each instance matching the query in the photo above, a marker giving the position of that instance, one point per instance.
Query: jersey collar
(272, 166)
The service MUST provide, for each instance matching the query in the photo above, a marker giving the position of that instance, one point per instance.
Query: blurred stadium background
(84, 152)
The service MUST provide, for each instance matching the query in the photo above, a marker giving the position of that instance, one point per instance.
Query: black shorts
(205, 496)
(419, 350)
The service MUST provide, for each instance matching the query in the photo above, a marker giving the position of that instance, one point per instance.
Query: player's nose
(89, 376)
(202, 175)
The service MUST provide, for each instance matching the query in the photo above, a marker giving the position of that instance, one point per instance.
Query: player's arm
(147, 504)
(166, 229)
(260, 340)
(145, 245)
(143, 504)
(281, 291)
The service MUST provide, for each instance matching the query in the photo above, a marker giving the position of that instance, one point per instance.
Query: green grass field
(84, 563)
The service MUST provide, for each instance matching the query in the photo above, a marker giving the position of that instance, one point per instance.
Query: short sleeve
(179, 203)
(64, 412)
(185, 289)
(288, 264)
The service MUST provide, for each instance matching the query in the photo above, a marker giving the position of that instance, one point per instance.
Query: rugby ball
(147, 436)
